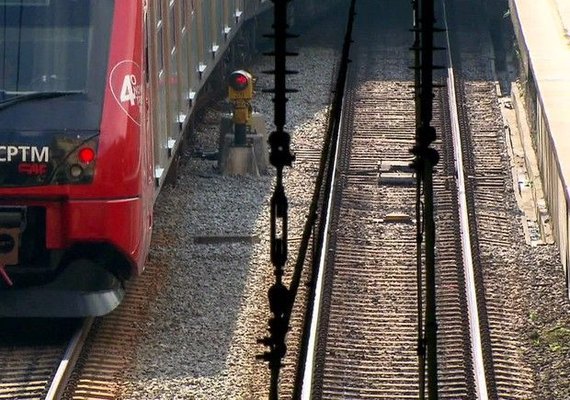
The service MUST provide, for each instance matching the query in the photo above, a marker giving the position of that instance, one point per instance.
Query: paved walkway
(544, 24)
(526, 176)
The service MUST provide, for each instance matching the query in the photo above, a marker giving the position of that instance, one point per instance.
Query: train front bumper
(76, 260)
(83, 288)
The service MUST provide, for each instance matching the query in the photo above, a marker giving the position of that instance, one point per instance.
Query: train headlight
(75, 171)
(73, 157)
(81, 165)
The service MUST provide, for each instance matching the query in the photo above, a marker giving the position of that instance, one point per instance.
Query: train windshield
(53, 45)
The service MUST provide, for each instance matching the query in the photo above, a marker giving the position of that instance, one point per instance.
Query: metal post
(240, 135)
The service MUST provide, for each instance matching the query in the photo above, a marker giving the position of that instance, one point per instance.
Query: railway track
(367, 338)
(83, 359)
(371, 329)
(35, 355)
(371, 323)
(366, 345)
(496, 231)
(75, 359)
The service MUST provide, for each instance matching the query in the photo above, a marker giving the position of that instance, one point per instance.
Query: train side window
(159, 37)
(159, 9)
(215, 21)
(184, 16)
(172, 23)
(160, 46)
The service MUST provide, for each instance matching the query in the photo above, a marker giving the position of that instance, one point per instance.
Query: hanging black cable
(421, 346)
(426, 159)
(280, 157)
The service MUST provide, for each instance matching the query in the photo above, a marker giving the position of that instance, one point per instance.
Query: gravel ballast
(200, 341)
(213, 231)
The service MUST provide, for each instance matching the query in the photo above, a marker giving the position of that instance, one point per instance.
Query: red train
(95, 98)
(76, 176)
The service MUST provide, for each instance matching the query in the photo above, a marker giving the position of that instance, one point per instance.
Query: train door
(163, 76)
(158, 86)
(148, 187)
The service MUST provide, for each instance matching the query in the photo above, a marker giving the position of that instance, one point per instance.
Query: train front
(72, 214)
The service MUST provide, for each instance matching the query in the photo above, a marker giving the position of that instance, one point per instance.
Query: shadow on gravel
(23, 332)
(197, 332)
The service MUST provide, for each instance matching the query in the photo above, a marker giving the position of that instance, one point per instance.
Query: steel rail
(312, 342)
(474, 327)
(70, 357)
